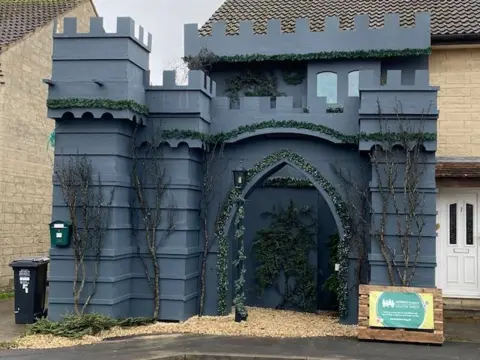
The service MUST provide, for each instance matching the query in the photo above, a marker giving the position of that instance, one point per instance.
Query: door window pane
(452, 214)
(353, 80)
(327, 85)
(469, 224)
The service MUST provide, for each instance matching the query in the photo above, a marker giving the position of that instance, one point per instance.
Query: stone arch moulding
(259, 172)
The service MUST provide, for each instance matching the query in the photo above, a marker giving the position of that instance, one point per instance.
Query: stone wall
(457, 72)
(25, 161)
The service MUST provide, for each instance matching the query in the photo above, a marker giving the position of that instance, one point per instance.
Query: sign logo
(401, 310)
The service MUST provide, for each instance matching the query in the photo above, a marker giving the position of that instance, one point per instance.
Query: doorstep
(461, 308)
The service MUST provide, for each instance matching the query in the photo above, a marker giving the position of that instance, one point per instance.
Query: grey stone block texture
(114, 66)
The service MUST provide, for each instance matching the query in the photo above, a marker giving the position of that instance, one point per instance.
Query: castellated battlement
(196, 80)
(394, 80)
(303, 41)
(396, 94)
(125, 29)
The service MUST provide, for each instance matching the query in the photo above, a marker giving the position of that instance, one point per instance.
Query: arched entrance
(256, 175)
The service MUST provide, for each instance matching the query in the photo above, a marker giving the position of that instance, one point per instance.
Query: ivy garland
(330, 190)
(98, 104)
(239, 300)
(286, 124)
(288, 182)
(326, 55)
(221, 235)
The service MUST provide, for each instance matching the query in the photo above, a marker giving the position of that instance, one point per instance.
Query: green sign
(401, 310)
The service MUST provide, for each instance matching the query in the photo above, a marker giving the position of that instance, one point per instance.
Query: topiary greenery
(252, 83)
(282, 252)
(294, 76)
(220, 234)
(76, 326)
(332, 283)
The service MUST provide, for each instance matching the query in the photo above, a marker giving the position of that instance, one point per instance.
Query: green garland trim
(326, 55)
(240, 298)
(97, 104)
(286, 124)
(341, 208)
(221, 235)
(288, 182)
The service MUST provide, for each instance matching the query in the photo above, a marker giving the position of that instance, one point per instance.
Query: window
(353, 82)
(327, 86)
(453, 224)
(469, 224)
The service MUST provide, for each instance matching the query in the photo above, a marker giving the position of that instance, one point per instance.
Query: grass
(6, 295)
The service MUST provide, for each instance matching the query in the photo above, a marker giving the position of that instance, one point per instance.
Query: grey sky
(164, 19)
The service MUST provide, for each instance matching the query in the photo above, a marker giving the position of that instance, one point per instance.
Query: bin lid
(30, 261)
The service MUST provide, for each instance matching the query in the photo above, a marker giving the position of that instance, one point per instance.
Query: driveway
(232, 348)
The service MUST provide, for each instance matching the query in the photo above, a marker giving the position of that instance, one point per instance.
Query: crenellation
(370, 79)
(332, 24)
(274, 26)
(125, 28)
(394, 79)
(246, 27)
(96, 25)
(361, 22)
(197, 80)
(392, 20)
(391, 36)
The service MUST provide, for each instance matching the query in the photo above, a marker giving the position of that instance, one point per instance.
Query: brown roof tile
(457, 170)
(20, 17)
(449, 17)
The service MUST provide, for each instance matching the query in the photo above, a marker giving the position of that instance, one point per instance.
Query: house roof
(448, 17)
(20, 17)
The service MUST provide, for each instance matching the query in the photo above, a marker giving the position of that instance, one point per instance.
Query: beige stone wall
(25, 161)
(457, 72)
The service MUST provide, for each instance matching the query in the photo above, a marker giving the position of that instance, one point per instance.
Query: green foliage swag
(222, 137)
(341, 208)
(327, 55)
(332, 283)
(97, 104)
(282, 251)
(288, 182)
(239, 299)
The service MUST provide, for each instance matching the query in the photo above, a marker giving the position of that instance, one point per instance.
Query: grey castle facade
(100, 92)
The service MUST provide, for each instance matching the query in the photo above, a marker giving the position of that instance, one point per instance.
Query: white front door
(457, 244)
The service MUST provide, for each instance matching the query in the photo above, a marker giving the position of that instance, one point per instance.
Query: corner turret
(99, 72)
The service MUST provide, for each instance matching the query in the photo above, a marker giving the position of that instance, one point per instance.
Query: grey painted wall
(80, 61)
(303, 41)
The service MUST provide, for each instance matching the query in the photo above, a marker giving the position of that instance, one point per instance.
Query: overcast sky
(164, 19)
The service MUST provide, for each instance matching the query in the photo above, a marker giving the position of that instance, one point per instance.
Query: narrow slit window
(327, 86)
(353, 81)
(453, 224)
(469, 224)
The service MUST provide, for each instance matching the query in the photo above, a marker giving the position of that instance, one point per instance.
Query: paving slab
(244, 348)
(8, 329)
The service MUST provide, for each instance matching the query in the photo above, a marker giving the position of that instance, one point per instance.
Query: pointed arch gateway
(257, 174)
